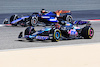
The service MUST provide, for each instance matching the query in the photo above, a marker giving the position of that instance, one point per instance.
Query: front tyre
(14, 17)
(87, 32)
(56, 35)
(29, 31)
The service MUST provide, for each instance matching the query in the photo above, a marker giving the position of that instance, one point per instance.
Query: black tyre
(87, 32)
(56, 35)
(68, 18)
(29, 31)
(33, 21)
(14, 17)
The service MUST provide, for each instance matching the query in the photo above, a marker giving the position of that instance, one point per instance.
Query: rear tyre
(56, 35)
(12, 18)
(68, 18)
(33, 21)
(87, 32)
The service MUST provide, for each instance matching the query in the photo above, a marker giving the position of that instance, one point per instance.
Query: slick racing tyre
(87, 32)
(29, 31)
(69, 18)
(33, 21)
(56, 35)
(14, 17)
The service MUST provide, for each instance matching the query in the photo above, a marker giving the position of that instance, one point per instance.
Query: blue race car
(59, 32)
(46, 17)
(49, 17)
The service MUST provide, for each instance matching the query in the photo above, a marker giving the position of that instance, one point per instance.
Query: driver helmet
(43, 11)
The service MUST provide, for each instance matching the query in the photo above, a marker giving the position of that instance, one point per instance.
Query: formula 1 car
(46, 18)
(59, 32)
(52, 17)
(15, 20)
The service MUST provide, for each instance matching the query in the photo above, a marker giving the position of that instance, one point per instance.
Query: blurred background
(22, 6)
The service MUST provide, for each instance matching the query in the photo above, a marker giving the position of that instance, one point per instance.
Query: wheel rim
(90, 32)
(33, 21)
(69, 18)
(57, 35)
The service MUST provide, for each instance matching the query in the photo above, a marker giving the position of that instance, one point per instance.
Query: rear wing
(58, 12)
(62, 11)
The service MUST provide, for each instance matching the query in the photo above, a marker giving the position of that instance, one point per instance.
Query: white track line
(92, 20)
(1, 25)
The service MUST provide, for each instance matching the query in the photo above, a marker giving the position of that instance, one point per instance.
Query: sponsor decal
(45, 17)
(53, 19)
(42, 37)
(73, 32)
